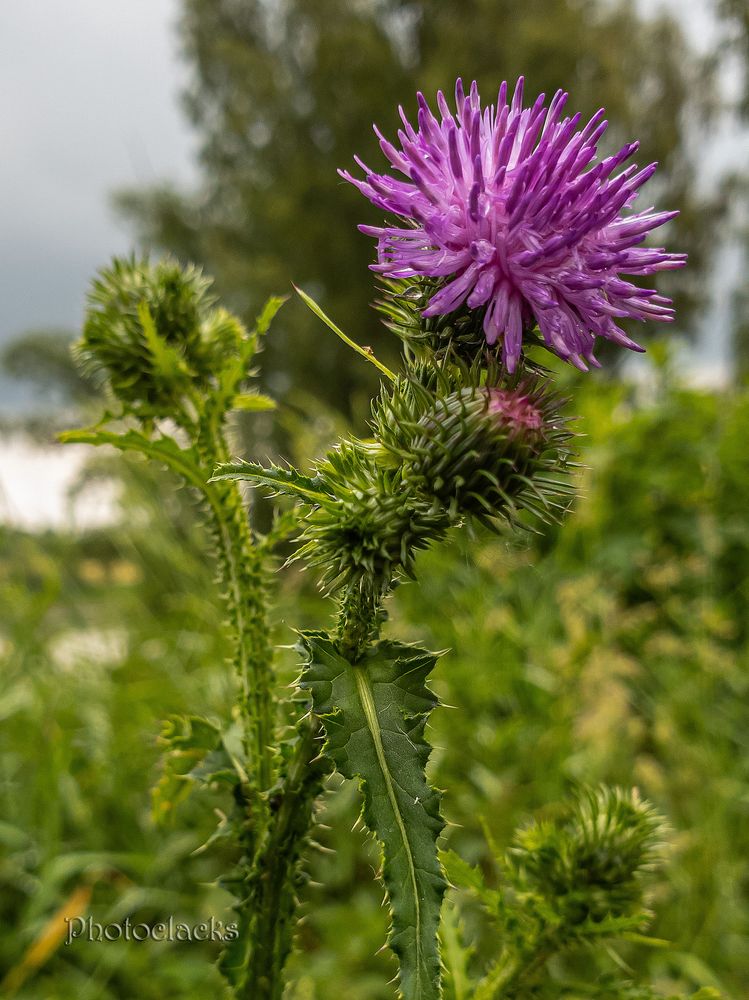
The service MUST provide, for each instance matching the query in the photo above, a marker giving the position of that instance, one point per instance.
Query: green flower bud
(372, 525)
(482, 451)
(593, 866)
(442, 450)
(152, 333)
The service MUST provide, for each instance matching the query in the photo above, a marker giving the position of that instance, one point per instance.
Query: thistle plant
(506, 236)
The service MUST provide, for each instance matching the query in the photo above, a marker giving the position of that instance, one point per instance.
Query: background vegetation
(616, 648)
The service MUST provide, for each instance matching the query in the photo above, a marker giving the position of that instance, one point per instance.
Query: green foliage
(374, 714)
(193, 752)
(615, 650)
(164, 350)
(572, 882)
(101, 634)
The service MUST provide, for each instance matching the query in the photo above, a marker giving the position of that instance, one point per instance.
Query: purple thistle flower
(504, 206)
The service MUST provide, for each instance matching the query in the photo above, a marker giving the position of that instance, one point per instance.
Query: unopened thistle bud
(442, 450)
(593, 867)
(480, 451)
(372, 526)
(152, 333)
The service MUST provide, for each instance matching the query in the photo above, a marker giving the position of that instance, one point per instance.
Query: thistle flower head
(506, 208)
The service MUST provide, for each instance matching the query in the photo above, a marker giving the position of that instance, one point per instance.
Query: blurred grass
(613, 649)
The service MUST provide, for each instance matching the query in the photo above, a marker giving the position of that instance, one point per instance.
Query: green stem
(358, 622)
(244, 579)
(275, 875)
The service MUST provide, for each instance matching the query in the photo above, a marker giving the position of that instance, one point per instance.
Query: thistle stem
(275, 881)
(243, 576)
(358, 621)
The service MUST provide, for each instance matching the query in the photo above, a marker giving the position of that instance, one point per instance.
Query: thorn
(320, 847)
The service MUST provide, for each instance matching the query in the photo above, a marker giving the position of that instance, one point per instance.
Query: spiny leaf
(374, 715)
(286, 481)
(183, 461)
(254, 401)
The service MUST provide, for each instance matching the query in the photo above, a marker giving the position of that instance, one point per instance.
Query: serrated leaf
(374, 715)
(163, 449)
(286, 481)
(254, 402)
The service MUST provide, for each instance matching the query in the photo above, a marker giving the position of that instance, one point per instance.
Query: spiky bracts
(370, 527)
(155, 337)
(449, 443)
(571, 882)
(481, 443)
(591, 869)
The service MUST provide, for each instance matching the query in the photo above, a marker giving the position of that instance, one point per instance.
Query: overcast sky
(88, 104)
